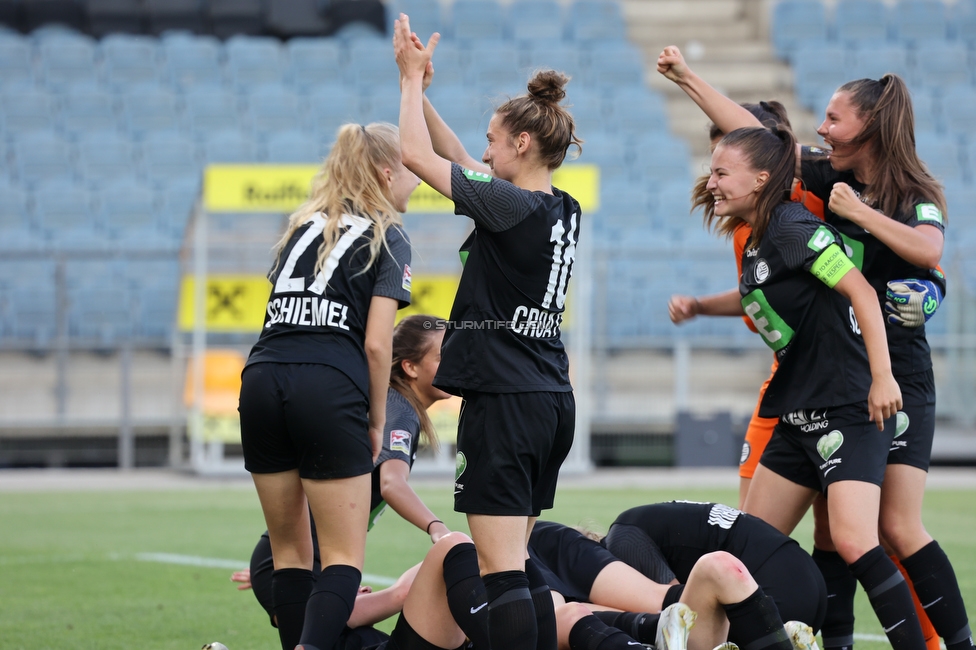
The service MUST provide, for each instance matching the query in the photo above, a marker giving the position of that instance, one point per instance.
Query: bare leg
(426, 607)
(286, 515)
(777, 500)
(501, 542)
(717, 579)
(901, 509)
(621, 587)
(744, 484)
(341, 511)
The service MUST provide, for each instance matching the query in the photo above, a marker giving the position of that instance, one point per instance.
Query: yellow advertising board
(282, 188)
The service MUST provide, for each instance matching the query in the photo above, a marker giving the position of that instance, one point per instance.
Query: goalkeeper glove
(910, 303)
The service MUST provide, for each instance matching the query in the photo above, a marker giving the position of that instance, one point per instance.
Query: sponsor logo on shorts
(746, 450)
(762, 271)
(407, 278)
(400, 441)
(901, 423)
(814, 426)
(828, 445)
(460, 464)
(804, 416)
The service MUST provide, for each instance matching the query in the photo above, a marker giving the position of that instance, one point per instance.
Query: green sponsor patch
(901, 423)
(460, 463)
(775, 331)
(821, 239)
(831, 266)
(854, 250)
(928, 212)
(829, 444)
(481, 177)
(464, 257)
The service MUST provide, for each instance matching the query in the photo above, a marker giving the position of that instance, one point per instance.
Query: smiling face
(502, 152)
(734, 184)
(402, 183)
(841, 124)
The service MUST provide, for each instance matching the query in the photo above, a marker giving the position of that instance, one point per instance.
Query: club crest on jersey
(762, 271)
(400, 441)
(407, 277)
(481, 177)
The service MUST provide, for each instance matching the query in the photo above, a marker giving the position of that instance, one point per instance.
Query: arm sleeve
(811, 245)
(401, 429)
(927, 214)
(394, 276)
(492, 203)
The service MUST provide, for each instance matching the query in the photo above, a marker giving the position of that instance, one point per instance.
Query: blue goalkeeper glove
(910, 303)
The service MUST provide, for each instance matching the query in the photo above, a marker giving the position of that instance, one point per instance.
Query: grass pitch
(85, 570)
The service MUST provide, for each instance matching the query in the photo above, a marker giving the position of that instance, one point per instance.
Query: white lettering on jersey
(307, 311)
(535, 323)
(723, 516)
(285, 283)
(563, 254)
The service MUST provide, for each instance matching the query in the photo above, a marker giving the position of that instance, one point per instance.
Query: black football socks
(591, 633)
(938, 590)
(637, 625)
(838, 626)
(754, 624)
(289, 594)
(890, 598)
(329, 606)
(511, 614)
(466, 596)
(545, 613)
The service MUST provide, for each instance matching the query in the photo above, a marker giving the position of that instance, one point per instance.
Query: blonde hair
(351, 181)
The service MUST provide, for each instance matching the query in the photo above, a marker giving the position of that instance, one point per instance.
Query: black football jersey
(504, 332)
(400, 439)
(909, 349)
(787, 292)
(321, 318)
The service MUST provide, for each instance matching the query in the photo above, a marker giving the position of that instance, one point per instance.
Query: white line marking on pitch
(218, 563)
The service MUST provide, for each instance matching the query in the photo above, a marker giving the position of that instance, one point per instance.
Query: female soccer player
(416, 354)
(889, 211)
(503, 353)
(313, 393)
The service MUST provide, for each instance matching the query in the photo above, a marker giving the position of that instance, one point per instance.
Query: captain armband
(831, 265)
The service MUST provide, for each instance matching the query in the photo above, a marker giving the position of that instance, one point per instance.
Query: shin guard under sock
(511, 615)
(936, 585)
(754, 624)
(289, 594)
(890, 599)
(329, 606)
(638, 625)
(838, 626)
(590, 633)
(545, 613)
(466, 597)
(928, 630)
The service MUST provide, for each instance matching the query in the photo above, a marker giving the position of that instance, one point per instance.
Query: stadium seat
(941, 155)
(371, 63)
(425, 16)
(330, 106)
(114, 16)
(959, 109)
(273, 107)
(558, 56)
(962, 21)
(292, 147)
(104, 156)
(928, 113)
(452, 66)
(16, 232)
(461, 108)
(86, 107)
(32, 314)
(170, 155)
(129, 216)
(16, 59)
(473, 20)
(660, 157)
(129, 60)
(637, 109)
(494, 67)
(313, 62)
(24, 108)
(536, 21)
(872, 60)
(858, 21)
(191, 60)
(595, 20)
(673, 208)
(382, 105)
(254, 60)
(170, 15)
(67, 60)
(819, 70)
(588, 110)
(916, 21)
(796, 21)
(42, 155)
(150, 107)
(178, 197)
(230, 17)
(65, 216)
(100, 316)
(229, 146)
(941, 64)
(210, 107)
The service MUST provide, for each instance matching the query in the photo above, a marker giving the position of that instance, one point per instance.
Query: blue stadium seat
(191, 60)
(473, 20)
(273, 107)
(796, 21)
(292, 147)
(210, 107)
(915, 21)
(313, 62)
(128, 59)
(622, 73)
(536, 21)
(673, 208)
(42, 155)
(330, 106)
(128, 214)
(622, 196)
(661, 157)
(941, 64)
(178, 196)
(86, 107)
(254, 60)
(100, 316)
(425, 16)
(25, 108)
(150, 107)
(104, 156)
(959, 109)
(16, 59)
(459, 107)
(960, 199)
(371, 63)
(595, 20)
(382, 105)
(819, 70)
(32, 314)
(67, 60)
(872, 60)
(563, 57)
(860, 20)
(16, 233)
(450, 66)
(229, 146)
(494, 67)
(156, 313)
(66, 217)
(962, 21)
(928, 113)
(941, 155)
(169, 155)
(588, 110)
(637, 109)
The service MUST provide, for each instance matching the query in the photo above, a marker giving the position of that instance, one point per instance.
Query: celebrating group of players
(334, 398)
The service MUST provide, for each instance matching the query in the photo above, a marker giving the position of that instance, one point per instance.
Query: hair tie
(765, 106)
(884, 80)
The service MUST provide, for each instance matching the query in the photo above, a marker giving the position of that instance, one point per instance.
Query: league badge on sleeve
(407, 277)
(400, 441)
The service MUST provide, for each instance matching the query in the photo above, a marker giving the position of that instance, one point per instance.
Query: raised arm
(446, 143)
(416, 147)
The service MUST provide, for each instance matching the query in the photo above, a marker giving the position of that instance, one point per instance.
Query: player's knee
(852, 548)
(720, 567)
(903, 535)
(568, 614)
(441, 547)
